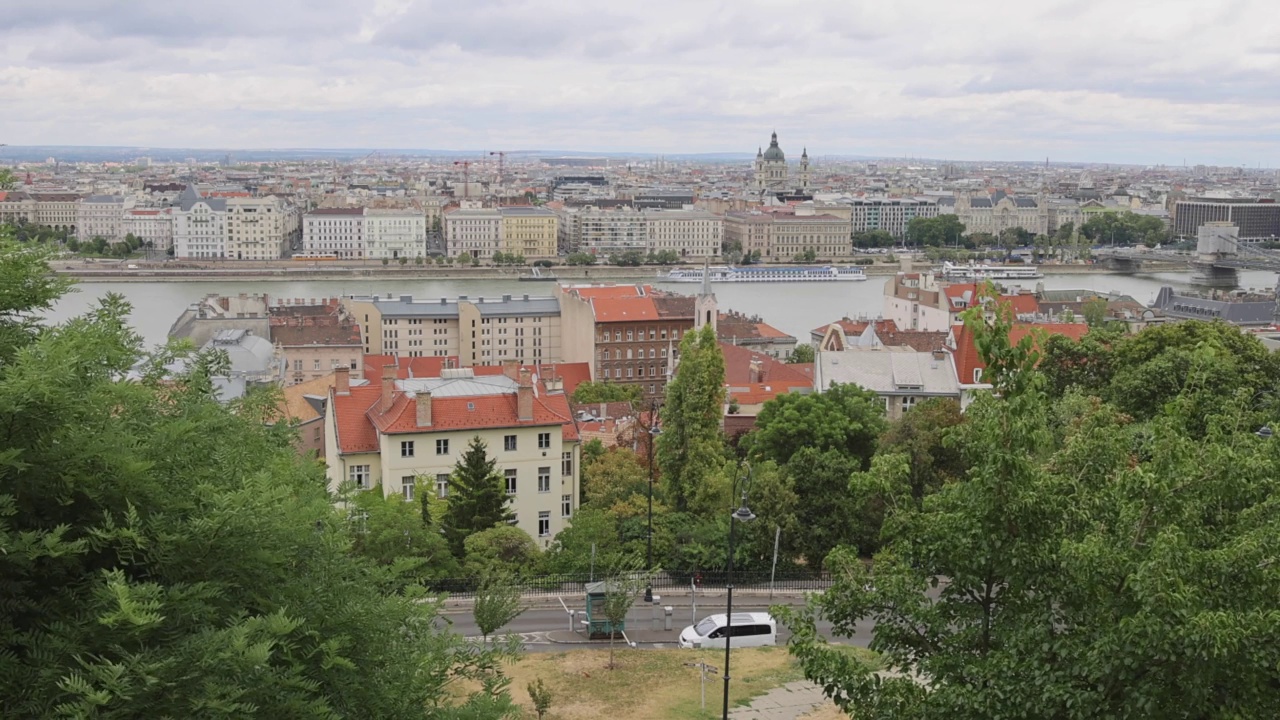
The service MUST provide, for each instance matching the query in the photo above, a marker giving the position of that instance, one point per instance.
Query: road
(534, 624)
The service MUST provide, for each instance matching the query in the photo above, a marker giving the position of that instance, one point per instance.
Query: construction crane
(466, 177)
(502, 157)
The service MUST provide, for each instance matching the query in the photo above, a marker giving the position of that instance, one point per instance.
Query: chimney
(756, 372)
(939, 355)
(424, 409)
(524, 397)
(388, 391)
(511, 369)
(342, 381)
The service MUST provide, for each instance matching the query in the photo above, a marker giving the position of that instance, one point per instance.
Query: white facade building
(337, 231)
(691, 233)
(889, 214)
(395, 234)
(199, 226)
(477, 232)
(603, 231)
(151, 225)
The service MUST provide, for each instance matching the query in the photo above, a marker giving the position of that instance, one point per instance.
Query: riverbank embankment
(236, 271)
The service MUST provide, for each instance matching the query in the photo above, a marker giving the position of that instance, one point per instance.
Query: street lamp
(654, 431)
(742, 514)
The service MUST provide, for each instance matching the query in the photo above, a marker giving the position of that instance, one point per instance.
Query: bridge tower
(1216, 242)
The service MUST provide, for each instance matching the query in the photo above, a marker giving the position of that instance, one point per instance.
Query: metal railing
(571, 584)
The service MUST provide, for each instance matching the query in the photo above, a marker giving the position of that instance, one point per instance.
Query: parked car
(754, 629)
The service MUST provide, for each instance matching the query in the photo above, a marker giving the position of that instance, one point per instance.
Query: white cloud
(1088, 80)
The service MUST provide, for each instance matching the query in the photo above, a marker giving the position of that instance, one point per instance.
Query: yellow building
(529, 231)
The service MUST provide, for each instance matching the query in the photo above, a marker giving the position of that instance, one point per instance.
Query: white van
(755, 629)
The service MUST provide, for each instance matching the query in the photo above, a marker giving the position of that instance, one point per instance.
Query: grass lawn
(647, 684)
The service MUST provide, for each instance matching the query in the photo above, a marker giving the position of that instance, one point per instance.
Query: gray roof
(188, 198)
(888, 370)
(774, 152)
(1024, 202)
(519, 306)
(103, 199)
(249, 354)
(980, 202)
(406, 306)
(465, 385)
(505, 306)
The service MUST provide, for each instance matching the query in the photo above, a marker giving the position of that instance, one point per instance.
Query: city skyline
(1145, 84)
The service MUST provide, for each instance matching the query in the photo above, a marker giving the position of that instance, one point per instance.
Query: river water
(794, 308)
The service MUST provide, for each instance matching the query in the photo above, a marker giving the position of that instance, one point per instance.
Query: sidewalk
(789, 702)
(674, 598)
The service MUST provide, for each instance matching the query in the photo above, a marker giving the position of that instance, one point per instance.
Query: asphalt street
(539, 627)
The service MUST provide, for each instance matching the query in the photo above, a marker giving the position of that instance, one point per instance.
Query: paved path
(788, 702)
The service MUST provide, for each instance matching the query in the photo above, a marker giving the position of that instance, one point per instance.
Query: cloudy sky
(1086, 80)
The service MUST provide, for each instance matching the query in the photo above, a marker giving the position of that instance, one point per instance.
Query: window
(297, 366)
(544, 440)
(629, 336)
(442, 485)
(511, 480)
(359, 476)
(509, 442)
(544, 479)
(977, 375)
(909, 402)
(442, 447)
(406, 487)
(544, 523)
(406, 448)
(566, 464)
(315, 365)
(566, 505)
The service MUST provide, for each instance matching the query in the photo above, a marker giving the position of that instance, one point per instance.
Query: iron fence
(575, 584)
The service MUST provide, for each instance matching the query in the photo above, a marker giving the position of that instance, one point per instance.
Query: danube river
(794, 308)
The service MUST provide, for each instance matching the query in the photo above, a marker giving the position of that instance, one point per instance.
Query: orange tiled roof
(737, 367)
(360, 423)
(856, 327)
(624, 309)
(966, 354)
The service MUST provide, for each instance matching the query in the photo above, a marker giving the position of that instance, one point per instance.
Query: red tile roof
(966, 352)
(1022, 303)
(419, 367)
(359, 423)
(856, 327)
(624, 309)
(737, 367)
(588, 292)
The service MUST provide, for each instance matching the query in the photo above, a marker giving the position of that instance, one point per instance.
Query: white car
(753, 629)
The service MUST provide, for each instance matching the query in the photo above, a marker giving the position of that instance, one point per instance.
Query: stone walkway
(788, 702)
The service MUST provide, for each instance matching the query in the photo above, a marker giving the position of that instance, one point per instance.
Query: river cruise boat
(972, 272)
(767, 273)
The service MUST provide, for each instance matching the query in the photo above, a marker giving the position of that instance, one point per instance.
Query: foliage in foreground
(162, 556)
(1089, 564)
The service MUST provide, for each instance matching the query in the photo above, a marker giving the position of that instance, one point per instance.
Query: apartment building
(529, 231)
(781, 235)
(691, 233)
(889, 214)
(917, 301)
(480, 331)
(315, 338)
(631, 333)
(393, 233)
(102, 216)
(404, 437)
(199, 225)
(260, 228)
(475, 231)
(16, 206)
(151, 225)
(992, 213)
(603, 231)
(336, 231)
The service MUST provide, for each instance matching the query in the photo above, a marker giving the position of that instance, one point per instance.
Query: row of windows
(632, 335)
(639, 353)
(616, 373)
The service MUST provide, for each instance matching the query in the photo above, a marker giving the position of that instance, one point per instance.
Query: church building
(773, 177)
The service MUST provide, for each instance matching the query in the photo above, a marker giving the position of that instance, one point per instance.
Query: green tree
(691, 444)
(163, 556)
(629, 258)
(1095, 311)
(873, 239)
(497, 602)
(541, 697)
(7, 179)
(464, 258)
(391, 531)
(845, 418)
(477, 497)
(802, 354)
(590, 531)
(603, 391)
(832, 514)
(580, 258)
(502, 549)
(922, 436)
(624, 581)
(617, 482)
(935, 231)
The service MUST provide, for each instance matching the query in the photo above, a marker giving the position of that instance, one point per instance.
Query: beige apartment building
(780, 236)
(260, 228)
(57, 210)
(101, 216)
(151, 225)
(404, 437)
(480, 331)
(690, 233)
(529, 231)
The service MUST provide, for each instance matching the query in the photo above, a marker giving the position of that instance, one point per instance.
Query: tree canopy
(845, 418)
(477, 497)
(602, 391)
(163, 555)
(691, 444)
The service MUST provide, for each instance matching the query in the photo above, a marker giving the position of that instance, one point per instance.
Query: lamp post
(742, 514)
(653, 431)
